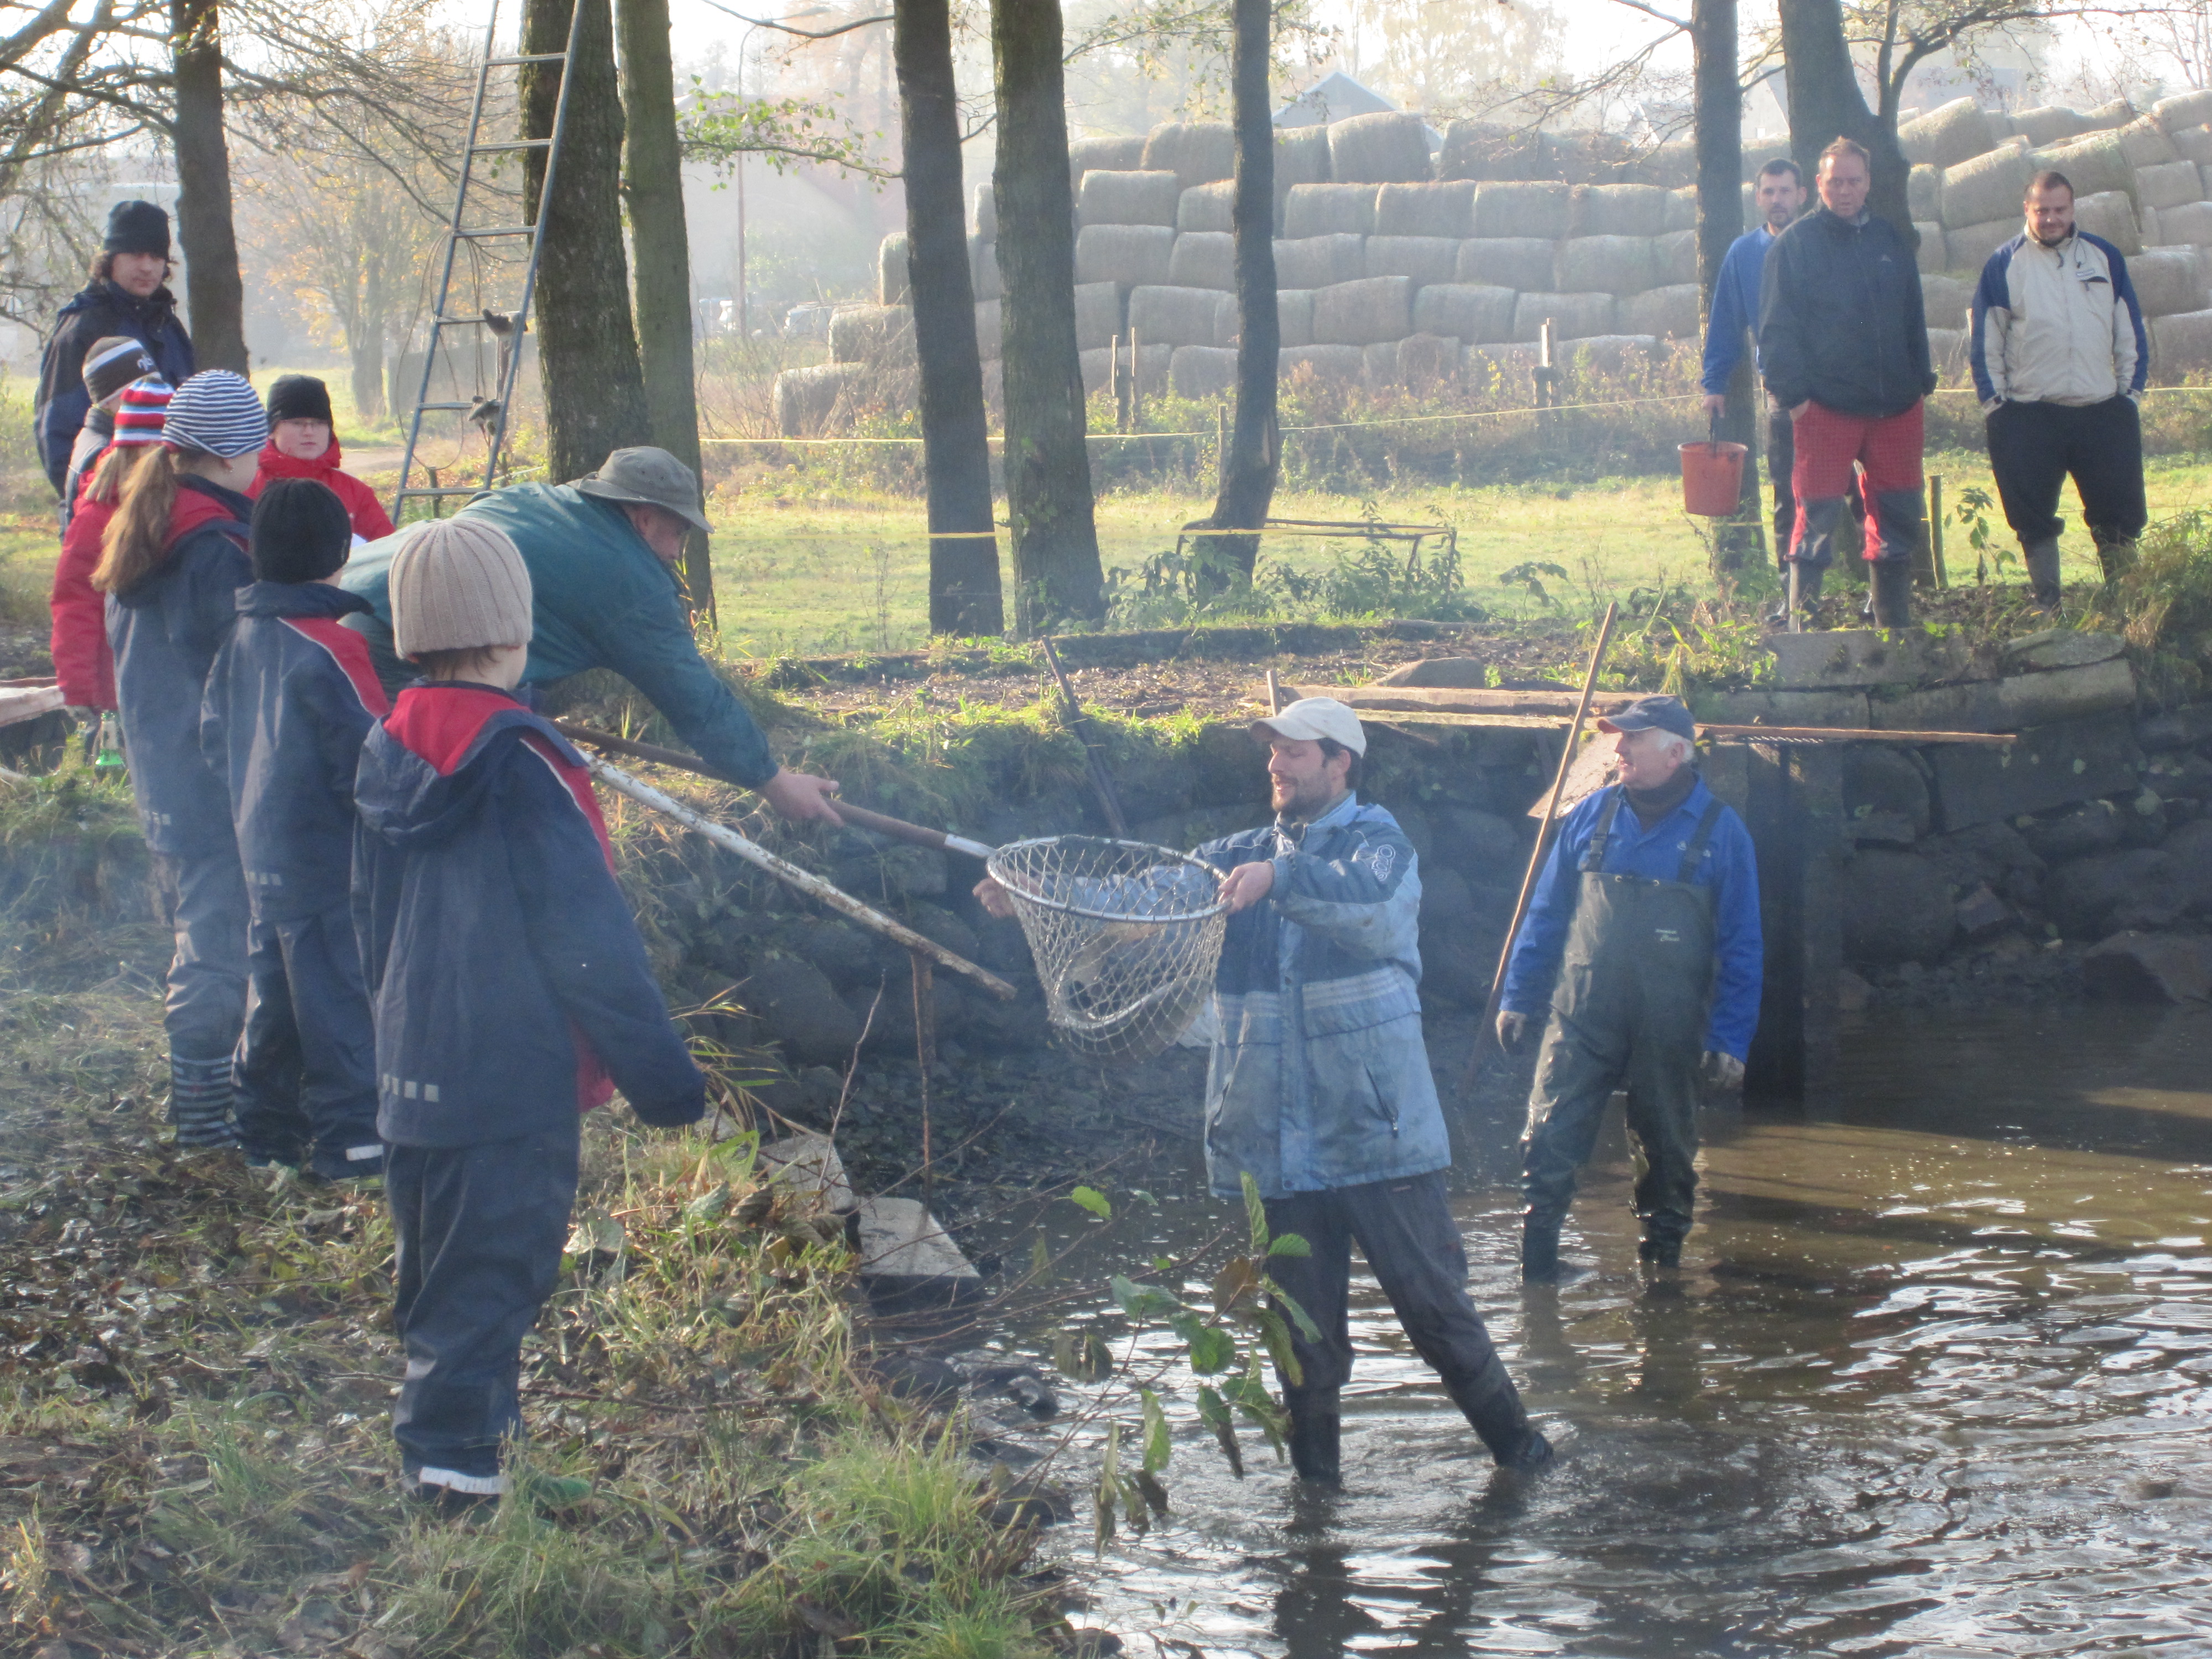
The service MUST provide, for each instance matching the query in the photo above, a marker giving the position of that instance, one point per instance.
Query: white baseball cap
(1311, 718)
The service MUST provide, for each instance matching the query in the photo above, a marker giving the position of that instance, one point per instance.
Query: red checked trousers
(1828, 445)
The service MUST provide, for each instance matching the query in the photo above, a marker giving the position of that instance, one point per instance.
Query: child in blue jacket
(288, 702)
(510, 990)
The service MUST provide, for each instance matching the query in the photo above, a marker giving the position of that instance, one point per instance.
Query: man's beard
(1304, 799)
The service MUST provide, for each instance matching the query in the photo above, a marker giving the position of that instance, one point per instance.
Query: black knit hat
(137, 227)
(300, 397)
(300, 531)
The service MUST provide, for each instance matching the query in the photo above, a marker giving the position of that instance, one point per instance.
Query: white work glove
(1512, 1030)
(1725, 1072)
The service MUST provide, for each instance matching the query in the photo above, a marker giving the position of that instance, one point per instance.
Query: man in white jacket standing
(2059, 356)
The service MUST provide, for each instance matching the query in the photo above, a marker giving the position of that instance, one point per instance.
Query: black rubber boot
(1660, 1252)
(1539, 1247)
(2041, 559)
(1491, 1406)
(1892, 592)
(1315, 1440)
(2117, 554)
(1808, 595)
(202, 1102)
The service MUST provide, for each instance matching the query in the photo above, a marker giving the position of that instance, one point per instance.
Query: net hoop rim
(992, 866)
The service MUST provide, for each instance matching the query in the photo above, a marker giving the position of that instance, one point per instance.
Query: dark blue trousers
(479, 1231)
(306, 1068)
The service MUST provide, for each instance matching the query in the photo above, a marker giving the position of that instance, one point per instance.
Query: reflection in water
(1935, 1382)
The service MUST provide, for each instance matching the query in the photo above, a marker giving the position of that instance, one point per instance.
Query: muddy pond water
(1935, 1380)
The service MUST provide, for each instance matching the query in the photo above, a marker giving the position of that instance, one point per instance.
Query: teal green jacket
(601, 600)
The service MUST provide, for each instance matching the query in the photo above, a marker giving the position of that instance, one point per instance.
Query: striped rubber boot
(201, 1102)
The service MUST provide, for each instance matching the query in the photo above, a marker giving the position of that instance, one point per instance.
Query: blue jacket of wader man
(290, 699)
(1728, 867)
(601, 600)
(510, 986)
(1320, 1078)
(166, 631)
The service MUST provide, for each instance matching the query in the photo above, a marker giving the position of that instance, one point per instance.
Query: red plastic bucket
(1712, 478)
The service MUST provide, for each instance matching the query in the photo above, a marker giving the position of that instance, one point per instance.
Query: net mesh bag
(1125, 938)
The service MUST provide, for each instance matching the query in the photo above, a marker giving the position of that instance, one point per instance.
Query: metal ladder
(456, 232)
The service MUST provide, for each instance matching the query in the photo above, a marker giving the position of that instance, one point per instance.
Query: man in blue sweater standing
(1780, 195)
(1647, 918)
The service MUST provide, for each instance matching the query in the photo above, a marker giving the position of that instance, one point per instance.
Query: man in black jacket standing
(1842, 345)
(128, 294)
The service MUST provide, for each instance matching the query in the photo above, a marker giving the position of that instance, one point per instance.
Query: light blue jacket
(1320, 1078)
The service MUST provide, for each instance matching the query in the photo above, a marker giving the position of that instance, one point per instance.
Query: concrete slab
(2061, 648)
(807, 1166)
(2011, 704)
(907, 1263)
(1863, 656)
(2051, 765)
(1831, 708)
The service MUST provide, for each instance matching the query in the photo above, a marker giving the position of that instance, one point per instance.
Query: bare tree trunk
(215, 294)
(1248, 470)
(586, 347)
(1719, 105)
(653, 188)
(1056, 570)
(964, 596)
(1826, 104)
(365, 355)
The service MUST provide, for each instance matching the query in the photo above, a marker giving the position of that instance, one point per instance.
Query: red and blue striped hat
(144, 408)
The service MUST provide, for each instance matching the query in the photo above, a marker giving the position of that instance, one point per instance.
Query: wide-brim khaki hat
(648, 477)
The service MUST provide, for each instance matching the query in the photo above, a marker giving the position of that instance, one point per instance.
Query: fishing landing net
(1125, 938)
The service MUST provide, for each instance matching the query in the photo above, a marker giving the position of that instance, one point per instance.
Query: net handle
(995, 868)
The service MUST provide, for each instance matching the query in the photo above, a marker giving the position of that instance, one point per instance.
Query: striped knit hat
(215, 413)
(145, 407)
(112, 363)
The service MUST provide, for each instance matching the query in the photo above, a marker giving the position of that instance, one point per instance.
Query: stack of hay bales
(1390, 261)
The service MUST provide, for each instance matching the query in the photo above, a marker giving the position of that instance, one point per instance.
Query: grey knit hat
(458, 585)
(215, 413)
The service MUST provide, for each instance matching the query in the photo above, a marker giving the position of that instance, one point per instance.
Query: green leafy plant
(1972, 510)
(1528, 577)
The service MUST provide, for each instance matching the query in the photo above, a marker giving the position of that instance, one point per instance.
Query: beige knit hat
(458, 585)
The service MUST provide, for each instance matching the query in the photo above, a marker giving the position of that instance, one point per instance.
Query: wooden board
(27, 702)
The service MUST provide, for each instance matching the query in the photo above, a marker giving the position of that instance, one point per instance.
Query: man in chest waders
(1643, 932)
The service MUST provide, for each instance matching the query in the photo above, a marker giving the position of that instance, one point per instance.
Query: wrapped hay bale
(983, 269)
(1988, 187)
(1674, 257)
(1204, 258)
(1196, 152)
(1301, 158)
(1968, 249)
(1573, 316)
(1445, 208)
(1328, 210)
(1498, 371)
(1923, 191)
(1151, 367)
(1958, 132)
(990, 328)
(1613, 356)
(2094, 162)
(1104, 154)
(1097, 363)
(1097, 313)
(986, 221)
(1228, 321)
(891, 270)
(1344, 365)
(1620, 210)
(1127, 198)
(1586, 157)
(1675, 313)
(1386, 147)
(1378, 365)
(2049, 124)
(2118, 113)
(1931, 255)
(2191, 222)
(1681, 210)
(1318, 261)
(1514, 261)
(1674, 164)
(2195, 144)
(1363, 312)
(1946, 300)
(1757, 155)
(2002, 125)
(871, 334)
(2148, 219)
(2205, 172)
(2183, 110)
(2168, 281)
(2180, 347)
(1603, 264)
(1198, 371)
(1420, 259)
(2111, 215)
(1545, 210)
(2145, 143)
(1476, 311)
(1132, 255)
(1488, 149)
(1427, 361)
(1206, 207)
(1168, 316)
(2169, 184)
(1294, 315)
(808, 401)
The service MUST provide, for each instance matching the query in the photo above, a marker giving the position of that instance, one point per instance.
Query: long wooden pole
(1487, 1033)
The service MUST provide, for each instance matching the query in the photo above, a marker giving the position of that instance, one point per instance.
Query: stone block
(1861, 656)
(807, 1167)
(2052, 765)
(801, 1009)
(1786, 708)
(2062, 647)
(1454, 673)
(2011, 704)
(1982, 915)
(907, 1262)
(2138, 967)
(1897, 908)
(2177, 728)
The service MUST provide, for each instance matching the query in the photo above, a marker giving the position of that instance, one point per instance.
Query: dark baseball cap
(1646, 714)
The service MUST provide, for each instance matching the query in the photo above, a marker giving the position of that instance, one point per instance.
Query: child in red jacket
(303, 443)
(83, 661)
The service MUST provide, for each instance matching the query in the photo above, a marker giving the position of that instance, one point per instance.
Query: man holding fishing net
(1319, 1087)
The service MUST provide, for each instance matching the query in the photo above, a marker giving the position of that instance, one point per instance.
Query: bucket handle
(1713, 434)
